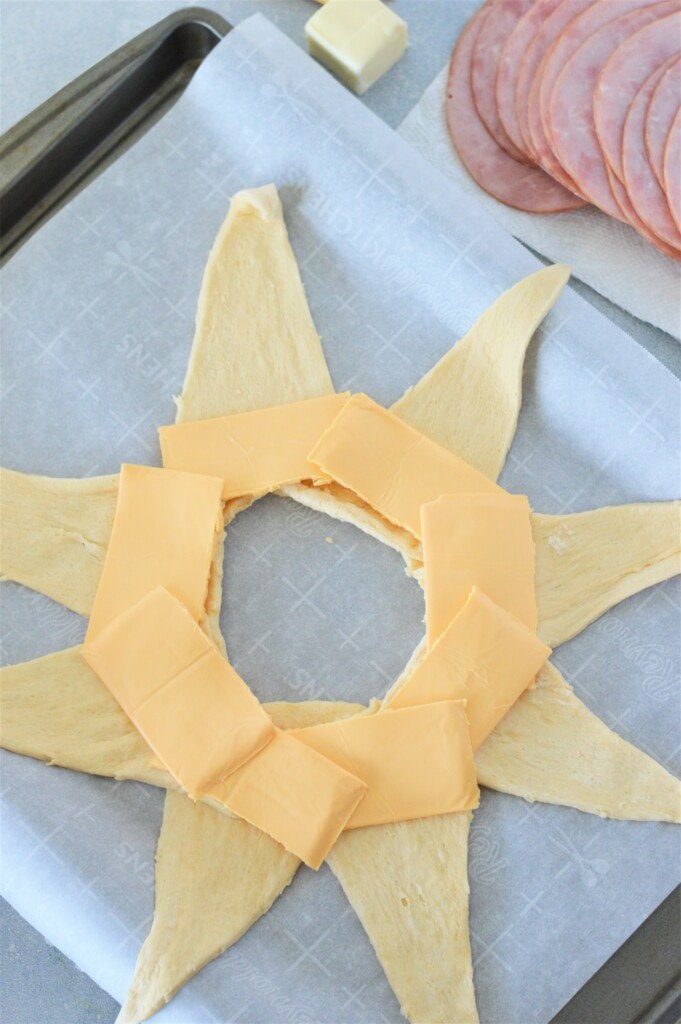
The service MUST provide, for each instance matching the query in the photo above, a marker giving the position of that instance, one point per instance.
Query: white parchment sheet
(97, 314)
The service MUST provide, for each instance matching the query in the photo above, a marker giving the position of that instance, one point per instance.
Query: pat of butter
(486, 657)
(358, 40)
(416, 762)
(197, 715)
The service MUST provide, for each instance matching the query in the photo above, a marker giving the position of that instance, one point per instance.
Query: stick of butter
(358, 40)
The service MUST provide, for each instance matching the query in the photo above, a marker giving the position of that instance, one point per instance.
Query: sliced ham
(519, 185)
(624, 74)
(521, 92)
(569, 122)
(510, 62)
(496, 23)
(645, 193)
(630, 216)
(664, 104)
(672, 163)
(531, 69)
(587, 21)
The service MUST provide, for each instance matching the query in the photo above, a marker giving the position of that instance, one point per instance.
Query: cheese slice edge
(294, 794)
(477, 540)
(165, 532)
(416, 762)
(252, 452)
(486, 657)
(198, 716)
(391, 466)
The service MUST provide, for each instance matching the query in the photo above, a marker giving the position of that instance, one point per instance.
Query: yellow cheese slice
(253, 452)
(416, 762)
(294, 794)
(390, 465)
(195, 712)
(482, 540)
(486, 657)
(164, 534)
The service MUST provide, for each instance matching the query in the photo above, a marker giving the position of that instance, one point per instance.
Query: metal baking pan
(73, 136)
(54, 152)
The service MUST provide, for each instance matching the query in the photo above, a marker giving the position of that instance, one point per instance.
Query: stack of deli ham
(554, 104)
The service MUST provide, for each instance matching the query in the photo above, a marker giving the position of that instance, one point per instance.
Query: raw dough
(548, 728)
(483, 372)
(241, 361)
(55, 533)
(550, 747)
(590, 561)
(340, 503)
(246, 355)
(215, 877)
(255, 343)
(216, 874)
(56, 709)
(408, 884)
(470, 400)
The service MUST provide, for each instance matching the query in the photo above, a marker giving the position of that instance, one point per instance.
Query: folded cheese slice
(164, 534)
(486, 657)
(253, 452)
(482, 540)
(416, 762)
(390, 465)
(297, 796)
(198, 716)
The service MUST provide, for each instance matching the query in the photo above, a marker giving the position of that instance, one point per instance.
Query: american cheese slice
(486, 657)
(164, 534)
(295, 795)
(390, 465)
(482, 540)
(253, 452)
(416, 762)
(195, 712)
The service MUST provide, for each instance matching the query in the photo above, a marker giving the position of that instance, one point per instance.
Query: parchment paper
(97, 322)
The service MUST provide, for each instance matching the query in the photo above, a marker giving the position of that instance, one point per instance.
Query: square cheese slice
(164, 534)
(486, 657)
(416, 762)
(477, 540)
(252, 452)
(390, 465)
(294, 794)
(198, 716)
(358, 40)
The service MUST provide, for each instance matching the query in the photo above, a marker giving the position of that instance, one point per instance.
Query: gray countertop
(47, 43)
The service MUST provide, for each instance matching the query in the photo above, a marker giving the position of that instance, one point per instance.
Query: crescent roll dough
(550, 747)
(55, 533)
(408, 884)
(469, 402)
(590, 561)
(255, 345)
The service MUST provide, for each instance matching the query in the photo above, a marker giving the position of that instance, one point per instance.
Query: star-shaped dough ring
(54, 708)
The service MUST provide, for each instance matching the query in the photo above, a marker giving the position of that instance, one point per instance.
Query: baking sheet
(97, 320)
